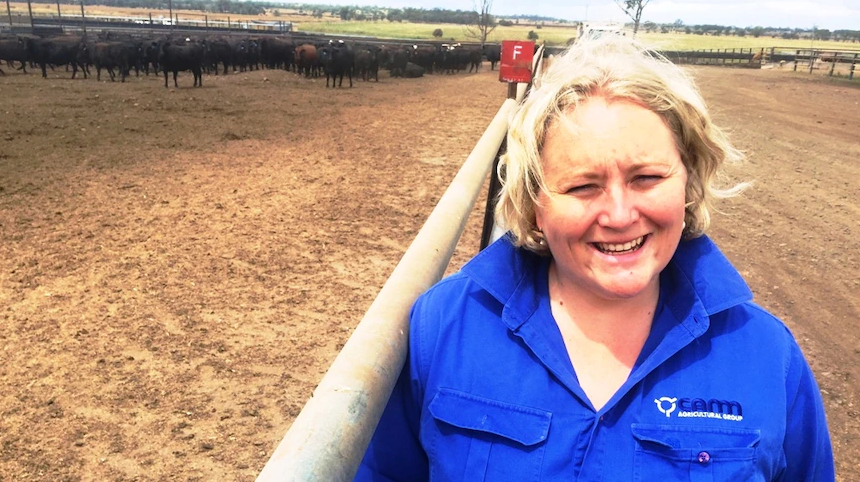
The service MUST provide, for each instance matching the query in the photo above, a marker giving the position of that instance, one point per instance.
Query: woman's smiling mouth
(622, 248)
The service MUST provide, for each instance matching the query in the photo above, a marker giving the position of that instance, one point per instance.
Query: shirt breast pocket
(480, 439)
(695, 454)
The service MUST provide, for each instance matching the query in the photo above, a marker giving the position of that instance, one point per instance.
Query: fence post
(833, 64)
(772, 49)
(811, 60)
(853, 64)
(796, 55)
(30, 9)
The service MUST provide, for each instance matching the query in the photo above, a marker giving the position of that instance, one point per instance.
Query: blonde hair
(615, 68)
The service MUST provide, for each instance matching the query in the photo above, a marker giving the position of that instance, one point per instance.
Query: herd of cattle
(333, 59)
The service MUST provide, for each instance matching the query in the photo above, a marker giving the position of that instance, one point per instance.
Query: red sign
(516, 61)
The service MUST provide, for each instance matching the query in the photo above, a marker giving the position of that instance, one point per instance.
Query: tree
(395, 15)
(533, 35)
(633, 9)
(483, 22)
(437, 33)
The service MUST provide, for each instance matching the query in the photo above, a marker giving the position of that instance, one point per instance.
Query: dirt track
(179, 267)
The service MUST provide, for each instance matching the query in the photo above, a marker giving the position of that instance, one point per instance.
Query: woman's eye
(648, 178)
(582, 189)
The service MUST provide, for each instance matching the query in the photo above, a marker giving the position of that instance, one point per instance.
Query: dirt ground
(178, 267)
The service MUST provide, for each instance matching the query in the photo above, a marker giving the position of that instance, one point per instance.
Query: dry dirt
(179, 267)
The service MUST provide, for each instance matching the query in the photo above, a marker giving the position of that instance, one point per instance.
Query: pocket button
(703, 458)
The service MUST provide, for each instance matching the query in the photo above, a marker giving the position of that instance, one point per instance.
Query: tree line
(756, 32)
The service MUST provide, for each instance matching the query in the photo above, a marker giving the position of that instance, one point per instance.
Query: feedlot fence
(159, 24)
(836, 62)
(735, 57)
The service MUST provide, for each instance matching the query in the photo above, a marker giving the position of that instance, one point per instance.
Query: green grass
(559, 36)
(680, 41)
(406, 30)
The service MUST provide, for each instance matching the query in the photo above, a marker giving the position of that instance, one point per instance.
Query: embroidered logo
(666, 410)
(701, 408)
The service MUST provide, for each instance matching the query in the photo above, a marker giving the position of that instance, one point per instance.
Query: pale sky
(825, 14)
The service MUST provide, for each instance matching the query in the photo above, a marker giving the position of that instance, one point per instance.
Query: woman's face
(614, 213)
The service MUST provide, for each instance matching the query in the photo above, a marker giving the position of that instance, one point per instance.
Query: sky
(824, 14)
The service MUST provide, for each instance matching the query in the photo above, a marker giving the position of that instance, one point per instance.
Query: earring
(683, 225)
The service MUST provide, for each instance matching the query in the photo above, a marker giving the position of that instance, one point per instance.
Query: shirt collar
(507, 274)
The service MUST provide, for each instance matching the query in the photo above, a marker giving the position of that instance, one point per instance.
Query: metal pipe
(83, 18)
(9, 12)
(490, 230)
(30, 9)
(329, 437)
(59, 15)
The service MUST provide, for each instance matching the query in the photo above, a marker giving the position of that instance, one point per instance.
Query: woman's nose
(618, 208)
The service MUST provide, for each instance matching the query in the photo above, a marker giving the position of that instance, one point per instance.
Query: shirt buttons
(703, 457)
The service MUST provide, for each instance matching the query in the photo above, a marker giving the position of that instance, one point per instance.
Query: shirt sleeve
(395, 453)
(808, 453)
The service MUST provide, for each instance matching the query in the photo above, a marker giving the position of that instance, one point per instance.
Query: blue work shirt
(720, 392)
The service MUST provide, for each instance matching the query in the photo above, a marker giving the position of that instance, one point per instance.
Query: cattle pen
(180, 267)
(328, 438)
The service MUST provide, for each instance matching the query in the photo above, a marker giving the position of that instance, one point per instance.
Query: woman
(605, 337)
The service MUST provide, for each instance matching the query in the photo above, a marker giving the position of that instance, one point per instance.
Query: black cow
(254, 55)
(494, 55)
(55, 51)
(277, 53)
(187, 56)
(148, 51)
(14, 49)
(474, 58)
(113, 55)
(399, 59)
(217, 51)
(241, 53)
(337, 60)
(367, 63)
(413, 71)
(423, 56)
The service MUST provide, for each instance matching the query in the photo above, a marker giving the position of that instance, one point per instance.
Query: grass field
(552, 35)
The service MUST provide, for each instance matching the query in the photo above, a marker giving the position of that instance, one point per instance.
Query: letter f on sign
(517, 50)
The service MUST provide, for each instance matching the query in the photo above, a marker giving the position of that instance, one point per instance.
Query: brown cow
(307, 60)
